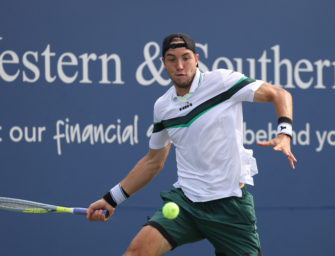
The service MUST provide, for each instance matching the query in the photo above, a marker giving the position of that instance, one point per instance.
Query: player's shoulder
(222, 78)
(164, 99)
(222, 74)
(163, 105)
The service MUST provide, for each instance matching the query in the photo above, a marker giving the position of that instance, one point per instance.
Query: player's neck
(182, 91)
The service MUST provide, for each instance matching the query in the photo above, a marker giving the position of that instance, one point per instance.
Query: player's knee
(148, 242)
(135, 249)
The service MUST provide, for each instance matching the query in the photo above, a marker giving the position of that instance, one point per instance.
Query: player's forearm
(139, 176)
(283, 103)
(145, 170)
(281, 99)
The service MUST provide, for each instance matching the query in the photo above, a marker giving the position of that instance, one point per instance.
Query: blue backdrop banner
(78, 80)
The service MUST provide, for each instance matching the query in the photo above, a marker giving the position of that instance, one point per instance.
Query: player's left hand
(281, 143)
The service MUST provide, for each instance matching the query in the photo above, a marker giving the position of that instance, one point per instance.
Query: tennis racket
(25, 206)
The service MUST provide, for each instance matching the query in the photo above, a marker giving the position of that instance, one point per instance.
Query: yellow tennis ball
(170, 210)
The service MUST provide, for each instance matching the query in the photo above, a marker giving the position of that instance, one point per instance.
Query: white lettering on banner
(85, 59)
(149, 62)
(323, 137)
(61, 62)
(70, 68)
(293, 73)
(93, 134)
(29, 65)
(47, 64)
(150, 130)
(67, 133)
(283, 68)
(27, 134)
(9, 60)
(204, 48)
(105, 60)
(301, 138)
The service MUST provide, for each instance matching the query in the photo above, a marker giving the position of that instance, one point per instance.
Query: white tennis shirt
(206, 128)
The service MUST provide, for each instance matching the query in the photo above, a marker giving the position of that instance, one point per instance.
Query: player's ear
(163, 60)
(196, 58)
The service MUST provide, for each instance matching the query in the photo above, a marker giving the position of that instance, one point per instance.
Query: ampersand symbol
(156, 74)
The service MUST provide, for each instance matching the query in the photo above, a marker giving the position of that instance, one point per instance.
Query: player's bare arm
(142, 173)
(282, 101)
(145, 170)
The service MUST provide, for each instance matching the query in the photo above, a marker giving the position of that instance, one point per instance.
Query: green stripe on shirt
(188, 119)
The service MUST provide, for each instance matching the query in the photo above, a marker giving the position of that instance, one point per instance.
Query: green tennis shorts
(229, 224)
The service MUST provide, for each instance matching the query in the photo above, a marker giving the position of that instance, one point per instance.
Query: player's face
(181, 64)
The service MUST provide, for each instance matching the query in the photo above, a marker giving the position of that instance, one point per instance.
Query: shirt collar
(195, 84)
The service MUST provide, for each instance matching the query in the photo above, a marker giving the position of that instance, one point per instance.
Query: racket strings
(21, 206)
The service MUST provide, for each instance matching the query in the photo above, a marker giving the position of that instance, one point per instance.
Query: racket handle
(82, 211)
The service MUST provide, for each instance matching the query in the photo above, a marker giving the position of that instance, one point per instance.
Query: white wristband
(285, 128)
(117, 194)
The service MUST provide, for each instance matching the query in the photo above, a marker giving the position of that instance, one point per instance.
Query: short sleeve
(159, 137)
(243, 87)
(248, 91)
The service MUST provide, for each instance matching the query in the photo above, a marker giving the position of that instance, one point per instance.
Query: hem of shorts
(209, 199)
(223, 254)
(164, 233)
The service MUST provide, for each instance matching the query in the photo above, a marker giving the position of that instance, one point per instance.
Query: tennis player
(201, 115)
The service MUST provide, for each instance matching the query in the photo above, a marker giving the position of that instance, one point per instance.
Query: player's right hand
(282, 143)
(95, 211)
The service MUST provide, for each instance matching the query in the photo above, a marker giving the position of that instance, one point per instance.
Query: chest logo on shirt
(187, 105)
